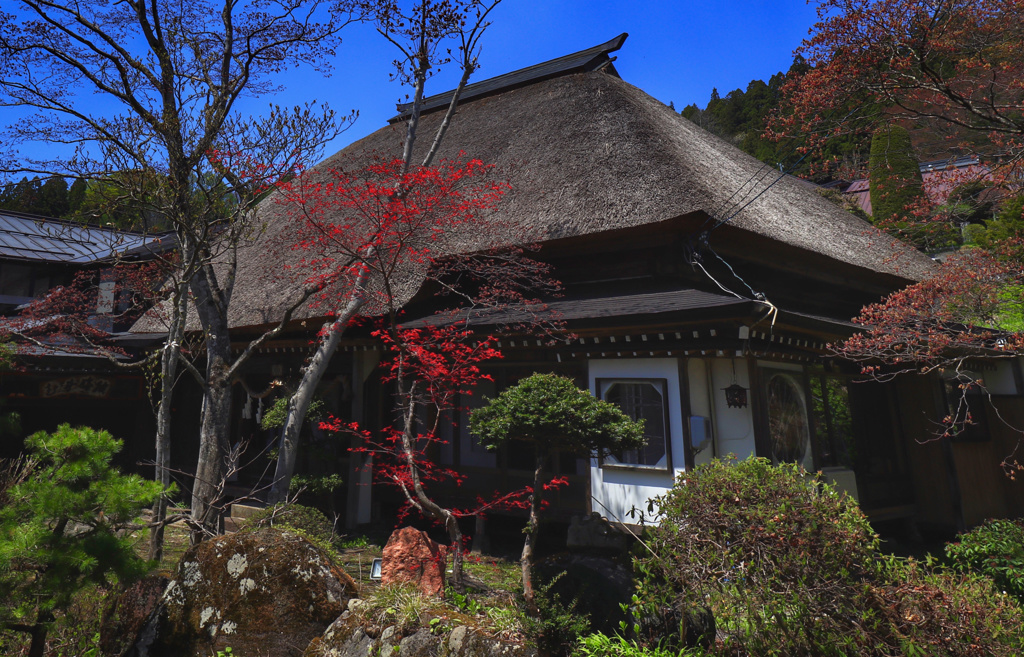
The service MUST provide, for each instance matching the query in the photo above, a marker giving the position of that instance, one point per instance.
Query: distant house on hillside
(940, 178)
(714, 331)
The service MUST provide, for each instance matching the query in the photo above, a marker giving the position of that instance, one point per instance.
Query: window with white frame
(641, 399)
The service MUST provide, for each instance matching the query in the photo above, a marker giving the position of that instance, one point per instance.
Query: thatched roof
(587, 152)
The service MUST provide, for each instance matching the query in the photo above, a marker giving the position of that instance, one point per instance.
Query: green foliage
(1005, 229)
(400, 605)
(919, 610)
(995, 549)
(558, 626)
(310, 521)
(357, 542)
(742, 117)
(63, 526)
(464, 602)
(602, 645)
(968, 203)
(316, 484)
(768, 547)
(274, 417)
(507, 620)
(76, 631)
(46, 197)
(551, 411)
(789, 566)
(894, 174)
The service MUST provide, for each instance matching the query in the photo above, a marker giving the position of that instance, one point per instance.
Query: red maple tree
(431, 369)
(951, 72)
(376, 236)
(82, 316)
(953, 67)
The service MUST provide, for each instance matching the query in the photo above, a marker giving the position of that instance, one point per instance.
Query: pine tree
(63, 525)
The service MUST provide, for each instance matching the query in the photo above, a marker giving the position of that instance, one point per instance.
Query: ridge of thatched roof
(587, 152)
(591, 59)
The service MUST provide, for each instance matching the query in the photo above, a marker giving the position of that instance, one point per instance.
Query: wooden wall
(934, 491)
(987, 490)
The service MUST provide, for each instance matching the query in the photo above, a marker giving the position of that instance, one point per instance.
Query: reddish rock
(410, 556)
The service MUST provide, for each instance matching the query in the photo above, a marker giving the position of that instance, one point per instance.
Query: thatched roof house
(702, 289)
(587, 152)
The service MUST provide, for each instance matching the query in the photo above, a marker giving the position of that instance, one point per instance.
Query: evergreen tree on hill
(894, 174)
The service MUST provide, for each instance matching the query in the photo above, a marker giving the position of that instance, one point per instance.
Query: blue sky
(676, 51)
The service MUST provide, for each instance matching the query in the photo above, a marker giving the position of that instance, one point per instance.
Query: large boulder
(410, 556)
(266, 592)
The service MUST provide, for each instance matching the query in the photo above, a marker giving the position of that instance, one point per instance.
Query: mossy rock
(265, 592)
(347, 637)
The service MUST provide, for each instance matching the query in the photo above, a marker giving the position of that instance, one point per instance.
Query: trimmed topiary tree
(894, 175)
(554, 415)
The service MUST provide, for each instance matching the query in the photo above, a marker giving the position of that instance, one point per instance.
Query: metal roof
(35, 238)
(590, 59)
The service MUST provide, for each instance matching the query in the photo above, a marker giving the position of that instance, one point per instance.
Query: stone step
(244, 510)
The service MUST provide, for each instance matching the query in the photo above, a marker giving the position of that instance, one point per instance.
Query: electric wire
(782, 174)
(703, 242)
(721, 207)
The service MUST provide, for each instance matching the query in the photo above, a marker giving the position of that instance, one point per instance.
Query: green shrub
(768, 548)
(602, 645)
(923, 611)
(995, 549)
(274, 417)
(558, 626)
(789, 566)
(310, 521)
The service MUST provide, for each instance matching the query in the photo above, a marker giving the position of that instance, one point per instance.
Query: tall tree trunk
(214, 442)
(168, 377)
(213, 448)
(532, 530)
(330, 338)
(418, 495)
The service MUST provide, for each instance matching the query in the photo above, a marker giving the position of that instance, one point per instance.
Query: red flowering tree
(371, 239)
(428, 35)
(430, 368)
